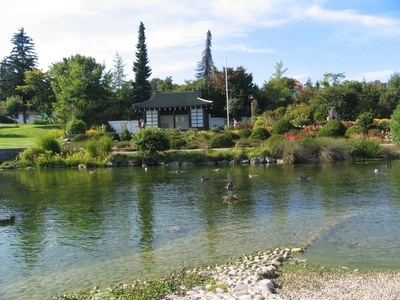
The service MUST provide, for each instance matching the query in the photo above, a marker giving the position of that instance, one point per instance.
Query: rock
(269, 159)
(256, 160)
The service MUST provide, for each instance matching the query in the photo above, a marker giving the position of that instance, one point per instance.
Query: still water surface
(78, 230)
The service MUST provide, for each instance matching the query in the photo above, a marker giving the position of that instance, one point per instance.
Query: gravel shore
(282, 274)
(257, 277)
(340, 287)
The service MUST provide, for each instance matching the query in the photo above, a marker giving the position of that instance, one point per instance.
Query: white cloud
(176, 29)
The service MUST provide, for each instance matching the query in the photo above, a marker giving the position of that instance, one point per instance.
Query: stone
(269, 159)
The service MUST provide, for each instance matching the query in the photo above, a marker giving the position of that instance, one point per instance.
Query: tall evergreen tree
(141, 85)
(206, 65)
(118, 73)
(12, 70)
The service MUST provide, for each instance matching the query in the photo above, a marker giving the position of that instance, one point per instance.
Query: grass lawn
(25, 135)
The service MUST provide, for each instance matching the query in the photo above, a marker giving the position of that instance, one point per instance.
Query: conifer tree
(206, 65)
(12, 68)
(141, 85)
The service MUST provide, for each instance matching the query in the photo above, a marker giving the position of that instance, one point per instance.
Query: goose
(376, 171)
(303, 178)
(7, 221)
(231, 197)
(229, 186)
(253, 175)
(91, 172)
(204, 178)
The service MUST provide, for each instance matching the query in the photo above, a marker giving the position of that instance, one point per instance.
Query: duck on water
(7, 221)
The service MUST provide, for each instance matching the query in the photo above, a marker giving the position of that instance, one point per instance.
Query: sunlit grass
(25, 135)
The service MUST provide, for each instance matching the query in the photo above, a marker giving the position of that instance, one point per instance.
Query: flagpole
(227, 96)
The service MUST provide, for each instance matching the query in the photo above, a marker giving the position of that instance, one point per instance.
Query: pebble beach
(258, 277)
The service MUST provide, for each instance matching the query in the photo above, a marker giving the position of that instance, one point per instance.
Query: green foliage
(354, 131)
(28, 157)
(13, 67)
(244, 133)
(142, 86)
(76, 126)
(222, 141)
(149, 141)
(125, 135)
(282, 126)
(176, 283)
(365, 120)
(13, 105)
(99, 148)
(260, 133)
(82, 90)
(333, 128)
(395, 125)
(368, 148)
(80, 137)
(177, 142)
(49, 143)
(206, 66)
(114, 136)
(92, 148)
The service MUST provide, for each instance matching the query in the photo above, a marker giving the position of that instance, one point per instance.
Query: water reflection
(115, 225)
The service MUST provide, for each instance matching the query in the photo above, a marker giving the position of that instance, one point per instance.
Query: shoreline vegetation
(279, 274)
(154, 146)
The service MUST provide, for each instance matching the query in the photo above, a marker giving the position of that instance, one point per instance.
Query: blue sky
(311, 37)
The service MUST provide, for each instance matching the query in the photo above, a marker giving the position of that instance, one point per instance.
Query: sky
(360, 38)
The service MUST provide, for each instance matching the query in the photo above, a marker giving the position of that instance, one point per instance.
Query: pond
(76, 230)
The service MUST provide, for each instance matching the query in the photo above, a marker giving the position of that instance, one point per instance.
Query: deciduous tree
(82, 90)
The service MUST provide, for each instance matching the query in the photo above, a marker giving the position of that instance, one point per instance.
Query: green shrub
(365, 120)
(282, 126)
(232, 135)
(150, 141)
(177, 142)
(28, 156)
(244, 133)
(76, 126)
(260, 133)
(333, 128)
(221, 141)
(49, 143)
(353, 131)
(125, 135)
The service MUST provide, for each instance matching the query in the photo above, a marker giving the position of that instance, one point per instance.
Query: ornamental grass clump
(49, 143)
(333, 149)
(368, 148)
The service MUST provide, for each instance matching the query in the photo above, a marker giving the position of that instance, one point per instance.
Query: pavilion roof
(174, 100)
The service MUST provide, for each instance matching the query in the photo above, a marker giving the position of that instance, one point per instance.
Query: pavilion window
(152, 118)
(196, 115)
